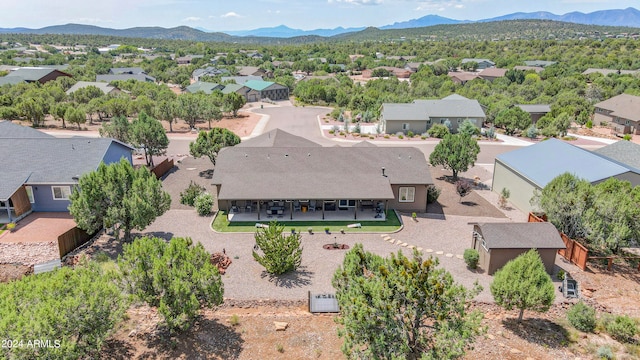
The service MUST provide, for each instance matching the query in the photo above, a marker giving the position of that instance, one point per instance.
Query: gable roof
(11, 130)
(542, 162)
(240, 79)
(11, 80)
(493, 72)
(533, 235)
(624, 152)
(229, 88)
(206, 87)
(365, 143)
(33, 74)
(278, 138)
(314, 172)
(112, 77)
(535, 108)
(409, 112)
(477, 60)
(258, 85)
(104, 87)
(623, 106)
(453, 105)
(126, 70)
(539, 63)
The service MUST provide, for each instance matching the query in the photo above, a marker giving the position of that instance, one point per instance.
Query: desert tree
(209, 143)
(402, 308)
(118, 128)
(176, 277)
(523, 284)
(456, 152)
(281, 252)
(76, 115)
(233, 102)
(512, 120)
(119, 196)
(565, 200)
(147, 133)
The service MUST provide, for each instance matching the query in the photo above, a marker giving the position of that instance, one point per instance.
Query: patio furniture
(296, 206)
(312, 205)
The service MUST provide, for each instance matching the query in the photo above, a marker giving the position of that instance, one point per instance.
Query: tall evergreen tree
(456, 152)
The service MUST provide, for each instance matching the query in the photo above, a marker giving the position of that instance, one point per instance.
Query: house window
(407, 194)
(405, 126)
(346, 203)
(429, 122)
(29, 191)
(484, 245)
(627, 122)
(61, 192)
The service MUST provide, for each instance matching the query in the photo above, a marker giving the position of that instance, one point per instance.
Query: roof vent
(286, 155)
(308, 154)
(383, 174)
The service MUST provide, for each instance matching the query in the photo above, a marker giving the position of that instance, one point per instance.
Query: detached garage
(498, 243)
(531, 168)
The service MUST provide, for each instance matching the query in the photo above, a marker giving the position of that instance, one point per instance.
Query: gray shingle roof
(31, 74)
(624, 106)
(127, 70)
(240, 79)
(542, 235)
(205, 87)
(253, 173)
(229, 88)
(624, 152)
(138, 77)
(278, 138)
(542, 162)
(105, 87)
(535, 108)
(454, 105)
(11, 130)
(10, 181)
(11, 80)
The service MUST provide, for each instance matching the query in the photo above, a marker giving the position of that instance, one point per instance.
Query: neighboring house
(138, 77)
(240, 89)
(186, 60)
(279, 64)
(205, 87)
(536, 111)
(209, 71)
(606, 72)
(267, 90)
(537, 69)
(397, 72)
(531, 168)
(240, 79)
(491, 74)
(32, 74)
(482, 63)
(104, 87)
(420, 115)
(281, 175)
(44, 182)
(127, 70)
(498, 243)
(461, 77)
(539, 63)
(621, 113)
(251, 71)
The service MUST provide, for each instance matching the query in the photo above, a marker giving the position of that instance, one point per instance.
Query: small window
(429, 122)
(61, 192)
(460, 121)
(29, 191)
(405, 126)
(407, 194)
(484, 245)
(346, 203)
(628, 122)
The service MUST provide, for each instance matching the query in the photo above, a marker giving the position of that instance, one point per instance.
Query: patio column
(258, 209)
(8, 209)
(355, 211)
(322, 209)
(291, 210)
(385, 208)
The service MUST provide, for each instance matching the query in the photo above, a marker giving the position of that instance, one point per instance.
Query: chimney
(383, 172)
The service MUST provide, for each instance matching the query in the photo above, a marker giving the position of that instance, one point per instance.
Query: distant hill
(428, 20)
(619, 17)
(284, 31)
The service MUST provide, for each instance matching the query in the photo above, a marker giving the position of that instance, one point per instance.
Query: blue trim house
(39, 170)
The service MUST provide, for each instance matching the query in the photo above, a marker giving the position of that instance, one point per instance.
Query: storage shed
(498, 243)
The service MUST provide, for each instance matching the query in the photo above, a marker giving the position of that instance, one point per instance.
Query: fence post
(610, 263)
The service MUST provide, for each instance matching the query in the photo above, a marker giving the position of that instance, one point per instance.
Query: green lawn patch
(391, 224)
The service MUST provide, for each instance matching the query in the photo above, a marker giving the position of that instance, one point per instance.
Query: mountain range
(629, 17)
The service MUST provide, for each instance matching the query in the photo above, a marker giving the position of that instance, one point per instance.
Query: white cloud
(192, 19)
(273, 11)
(358, 2)
(439, 5)
(231, 14)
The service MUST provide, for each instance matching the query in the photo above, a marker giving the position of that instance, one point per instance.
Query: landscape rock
(280, 326)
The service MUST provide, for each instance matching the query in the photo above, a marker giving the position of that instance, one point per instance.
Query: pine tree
(456, 152)
(280, 253)
(523, 284)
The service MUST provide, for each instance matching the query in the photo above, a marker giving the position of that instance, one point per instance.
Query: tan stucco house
(621, 113)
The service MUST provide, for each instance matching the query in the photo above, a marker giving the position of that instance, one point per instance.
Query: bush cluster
(433, 193)
(582, 317)
(471, 258)
(189, 195)
(438, 131)
(622, 328)
(203, 204)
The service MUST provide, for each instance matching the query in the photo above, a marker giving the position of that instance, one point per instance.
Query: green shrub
(410, 134)
(203, 204)
(401, 137)
(331, 132)
(101, 257)
(627, 137)
(189, 195)
(423, 137)
(604, 352)
(561, 275)
(491, 133)
(471, 258)
(582, 317)
(589, 124)
(386, 136)
(438, 131)
(622, 328)
(604, 123)
(433, 193)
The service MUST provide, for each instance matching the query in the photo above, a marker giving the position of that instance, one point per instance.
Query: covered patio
(306, 210)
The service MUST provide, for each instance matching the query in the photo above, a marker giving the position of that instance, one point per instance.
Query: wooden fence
(574, 252)
(71, 240)
(162, 168)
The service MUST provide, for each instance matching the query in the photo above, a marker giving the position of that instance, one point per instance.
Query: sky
(234, 15)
